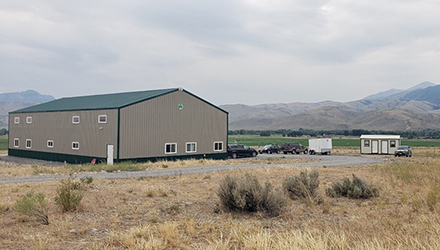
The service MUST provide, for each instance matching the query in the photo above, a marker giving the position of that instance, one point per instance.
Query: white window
(49, 143)
(102, 119)
(170, 148)
(16, 120)
(29, 119)
(16, 142)
(28, 143)
(75, 145)
(191, 147)
(367, 143)
(218, 146)
(75, 119)
(392, 144)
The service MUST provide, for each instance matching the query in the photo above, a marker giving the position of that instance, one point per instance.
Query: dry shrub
(247, 195)
(303, 186)
(34, 205)
(3, 208)
(69, 194)
(356, 189)
(432, 198)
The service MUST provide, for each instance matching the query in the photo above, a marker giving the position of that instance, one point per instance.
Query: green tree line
(424, 134)
(4, 131)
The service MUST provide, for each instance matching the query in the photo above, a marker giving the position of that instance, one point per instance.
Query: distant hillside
(393, 93)
(411, 109)
(334, 118)
(30, 96)
(430, 94)
(18, 100)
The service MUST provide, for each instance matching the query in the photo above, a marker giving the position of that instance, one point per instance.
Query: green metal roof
(106, 101)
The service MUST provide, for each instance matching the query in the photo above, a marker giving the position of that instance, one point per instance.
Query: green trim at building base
(47, 156)
(79, 159)
(216, 156)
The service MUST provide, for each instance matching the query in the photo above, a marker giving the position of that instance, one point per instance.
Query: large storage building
(139, 126)
(379, 144)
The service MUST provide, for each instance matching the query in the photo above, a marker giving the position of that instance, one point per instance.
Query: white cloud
(250, 51)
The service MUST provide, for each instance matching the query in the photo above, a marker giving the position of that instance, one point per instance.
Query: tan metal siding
(390, 150)
(147, 126)
(58, 127)
(365, 150)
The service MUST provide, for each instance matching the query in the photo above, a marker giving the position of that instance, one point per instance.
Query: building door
(384, 147)
(110, 152)
(374, 147)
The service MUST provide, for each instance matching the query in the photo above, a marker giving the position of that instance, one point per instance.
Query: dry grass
(21, 170)
(182, 212)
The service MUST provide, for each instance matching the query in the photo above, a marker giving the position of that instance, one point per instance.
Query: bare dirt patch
(182, 212)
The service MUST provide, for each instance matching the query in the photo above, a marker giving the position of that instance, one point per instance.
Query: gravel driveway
(324, 160)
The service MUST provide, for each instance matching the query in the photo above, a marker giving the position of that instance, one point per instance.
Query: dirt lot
(182, 211)
(261, 161)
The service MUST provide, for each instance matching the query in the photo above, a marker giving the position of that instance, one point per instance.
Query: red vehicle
(294, 148)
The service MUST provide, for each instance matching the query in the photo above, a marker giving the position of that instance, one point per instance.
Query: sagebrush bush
(247, 195)
(69, 194)
(302, 186)
(87, 179)
(432, 198)
(34, 205)
(356, 189)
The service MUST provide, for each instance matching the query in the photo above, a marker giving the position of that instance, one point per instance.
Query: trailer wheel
(312, 152)
(306, 151)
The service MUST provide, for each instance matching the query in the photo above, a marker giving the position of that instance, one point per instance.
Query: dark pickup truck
(294, 148)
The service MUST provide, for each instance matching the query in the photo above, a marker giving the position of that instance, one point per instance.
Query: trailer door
(374, 147)
(384, 147)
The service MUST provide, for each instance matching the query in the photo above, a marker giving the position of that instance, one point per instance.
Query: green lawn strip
(337, 142)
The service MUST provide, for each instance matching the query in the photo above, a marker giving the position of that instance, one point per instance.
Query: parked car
(403, 150)
(294, 148)
(269, 149)
(240, 150)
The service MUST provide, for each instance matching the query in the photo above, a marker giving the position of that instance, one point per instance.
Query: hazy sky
(227, 52)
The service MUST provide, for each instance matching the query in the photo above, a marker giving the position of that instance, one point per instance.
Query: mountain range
(413, 109)
(17, 100)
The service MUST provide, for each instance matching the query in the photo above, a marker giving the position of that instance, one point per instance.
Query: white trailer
(322, 146)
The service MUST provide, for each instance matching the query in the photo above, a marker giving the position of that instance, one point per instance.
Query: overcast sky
(227, 52)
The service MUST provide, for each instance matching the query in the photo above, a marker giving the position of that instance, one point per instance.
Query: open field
(183, 212)
(3, 144)
(258, 141)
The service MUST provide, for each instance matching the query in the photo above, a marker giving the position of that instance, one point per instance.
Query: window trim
(171, 144)
(50, 141)
(73, 145)
(191, 151)
(28, 119)
(17, 120)
(393, 143)
(73, 119)
(16, 143)
(29, 142)
(366, 143)
(99, 118)
(218, 143)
